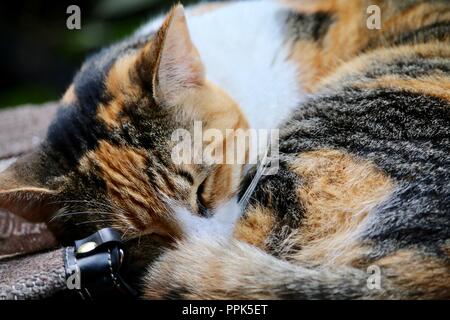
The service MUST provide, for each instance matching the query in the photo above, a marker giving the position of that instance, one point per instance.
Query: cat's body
(363, 186)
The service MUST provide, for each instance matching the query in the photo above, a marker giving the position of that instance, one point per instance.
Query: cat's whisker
(87, 202)
(93, 221)
(259, 172)
(93, 202)
(126, 231)
(66, 214)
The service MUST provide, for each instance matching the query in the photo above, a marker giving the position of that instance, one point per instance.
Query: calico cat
(363, 184)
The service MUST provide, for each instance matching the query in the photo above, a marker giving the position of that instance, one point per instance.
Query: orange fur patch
(418, 15)
(255, 227)
(338, 193)
(343, 41)
(349, 34)
(218, 111)
(423, 277)
(121, 88)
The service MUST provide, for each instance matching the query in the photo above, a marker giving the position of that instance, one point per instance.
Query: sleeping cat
(360, 205)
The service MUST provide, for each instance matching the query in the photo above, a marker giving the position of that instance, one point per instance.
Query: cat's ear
(22, 194)
(178, 69)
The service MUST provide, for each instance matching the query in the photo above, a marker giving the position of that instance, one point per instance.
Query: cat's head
(108, 157)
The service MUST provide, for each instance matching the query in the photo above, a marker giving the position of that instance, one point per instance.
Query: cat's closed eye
(201, 203)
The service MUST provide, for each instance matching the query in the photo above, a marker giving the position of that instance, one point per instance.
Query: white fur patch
(241, 45)
(221, 224)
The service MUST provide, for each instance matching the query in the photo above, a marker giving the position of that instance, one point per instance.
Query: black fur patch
(312, 27)
(436, 31)
(411, 67)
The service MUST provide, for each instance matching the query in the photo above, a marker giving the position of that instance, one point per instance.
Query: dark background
(39, 55)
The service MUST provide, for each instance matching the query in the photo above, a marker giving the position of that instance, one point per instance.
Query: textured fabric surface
(32, 277)
(22, 276)
(18, 236)
(23, 128)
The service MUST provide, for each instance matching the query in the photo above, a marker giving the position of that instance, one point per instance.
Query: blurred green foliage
(39, 55)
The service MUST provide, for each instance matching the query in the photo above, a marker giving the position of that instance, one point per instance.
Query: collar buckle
(94, 263)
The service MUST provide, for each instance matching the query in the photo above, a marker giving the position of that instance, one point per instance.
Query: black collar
(93, 265)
